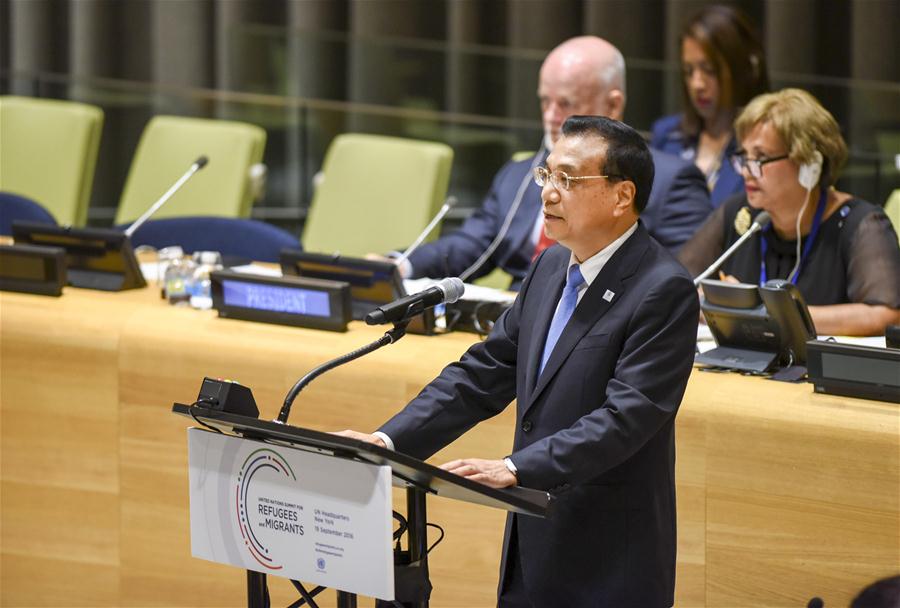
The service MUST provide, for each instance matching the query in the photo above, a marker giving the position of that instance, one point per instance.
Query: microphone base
(474, 316)
(423, 324)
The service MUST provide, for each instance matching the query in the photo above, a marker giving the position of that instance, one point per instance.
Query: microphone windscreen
(201, 162)
(453, 289)
(762, 219)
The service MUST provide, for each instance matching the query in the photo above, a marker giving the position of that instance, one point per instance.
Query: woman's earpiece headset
(809, 175)
(811, 172)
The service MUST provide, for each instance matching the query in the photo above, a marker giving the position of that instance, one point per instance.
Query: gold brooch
(742, 221)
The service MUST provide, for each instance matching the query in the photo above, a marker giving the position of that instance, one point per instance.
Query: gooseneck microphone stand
(390, 336)
(257, 589)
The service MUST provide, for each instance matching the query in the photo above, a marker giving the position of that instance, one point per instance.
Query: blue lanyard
(817, 222)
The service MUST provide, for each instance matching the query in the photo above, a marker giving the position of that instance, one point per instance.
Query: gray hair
(612, 75)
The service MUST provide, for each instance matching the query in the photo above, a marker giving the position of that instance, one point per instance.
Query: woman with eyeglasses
(723, 67)
(846, 261)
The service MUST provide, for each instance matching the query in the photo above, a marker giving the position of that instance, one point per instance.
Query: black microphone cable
(507, 220)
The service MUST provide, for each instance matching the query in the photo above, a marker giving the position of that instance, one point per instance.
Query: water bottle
(164, 258)
(200, 287)
(179, 274)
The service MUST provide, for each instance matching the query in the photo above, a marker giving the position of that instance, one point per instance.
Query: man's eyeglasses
(753, 165)
(562, 180)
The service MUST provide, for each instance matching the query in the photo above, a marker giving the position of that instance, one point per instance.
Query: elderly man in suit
(596, 350)
(584, 75)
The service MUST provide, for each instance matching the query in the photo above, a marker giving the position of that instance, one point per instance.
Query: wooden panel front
(783, 494)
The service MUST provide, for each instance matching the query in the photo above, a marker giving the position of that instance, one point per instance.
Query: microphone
(762, 220)
(445, 291)
(448, 204)
(196, 166)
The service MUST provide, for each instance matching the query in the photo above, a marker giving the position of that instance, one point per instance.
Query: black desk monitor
(755, 327)
(96, 258)
(31, 269)
(372, 283)
(855, 370)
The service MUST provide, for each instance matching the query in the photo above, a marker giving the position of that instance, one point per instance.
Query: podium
(337, 487)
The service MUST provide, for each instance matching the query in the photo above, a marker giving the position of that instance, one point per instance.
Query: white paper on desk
(875, 341)
(704, 333)
(257, 269)
(150, 270)
(705, 340)
(472, 292)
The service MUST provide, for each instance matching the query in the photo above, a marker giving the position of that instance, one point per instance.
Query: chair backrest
(168, 146)
(522, 155)
(496, 279)
(14, 207)
(892, 209)
(237, 237)
(378, 194)
(48, 152)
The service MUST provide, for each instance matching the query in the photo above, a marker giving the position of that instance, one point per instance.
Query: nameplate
(302, 302)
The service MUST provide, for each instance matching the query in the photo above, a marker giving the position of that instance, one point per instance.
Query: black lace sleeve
(706, 245)
(873, 271)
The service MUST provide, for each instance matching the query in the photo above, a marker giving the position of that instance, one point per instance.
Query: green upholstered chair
(522, 155)
(48, 151)
(377, 194)
(497, 278)
(168, 146)
(892, 209)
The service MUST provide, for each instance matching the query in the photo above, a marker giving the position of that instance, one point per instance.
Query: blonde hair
(803, 125)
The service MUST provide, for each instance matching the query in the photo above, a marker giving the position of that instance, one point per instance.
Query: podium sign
(291, 513)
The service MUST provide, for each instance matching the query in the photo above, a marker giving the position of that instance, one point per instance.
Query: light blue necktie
(563, 312)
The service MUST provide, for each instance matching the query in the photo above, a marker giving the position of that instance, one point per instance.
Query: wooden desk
(782, 494)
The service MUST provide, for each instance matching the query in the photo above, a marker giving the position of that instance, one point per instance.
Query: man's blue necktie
(563, 312)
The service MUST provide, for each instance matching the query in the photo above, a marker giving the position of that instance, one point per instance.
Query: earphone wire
(796, 268)
(809, 188)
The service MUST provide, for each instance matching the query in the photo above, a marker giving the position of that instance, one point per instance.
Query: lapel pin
(608, 296)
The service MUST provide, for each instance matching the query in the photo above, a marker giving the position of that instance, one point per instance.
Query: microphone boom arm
(715, 265)
(390, 336)
(196, 166)
(451, 201)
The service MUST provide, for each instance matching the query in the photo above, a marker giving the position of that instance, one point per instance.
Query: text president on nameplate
(596, 350)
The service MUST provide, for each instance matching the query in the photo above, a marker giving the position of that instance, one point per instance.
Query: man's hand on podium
(361, 437)
(493, 473)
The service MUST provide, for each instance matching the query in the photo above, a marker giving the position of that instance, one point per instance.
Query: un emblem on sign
(320, 563)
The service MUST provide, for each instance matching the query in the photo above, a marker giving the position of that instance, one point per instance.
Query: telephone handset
(785, 304)
(756, 327)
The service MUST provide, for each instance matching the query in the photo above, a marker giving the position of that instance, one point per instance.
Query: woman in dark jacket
(723, 68)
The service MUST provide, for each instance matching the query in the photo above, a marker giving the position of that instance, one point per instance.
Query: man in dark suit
(596, 350)
(584, 75)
